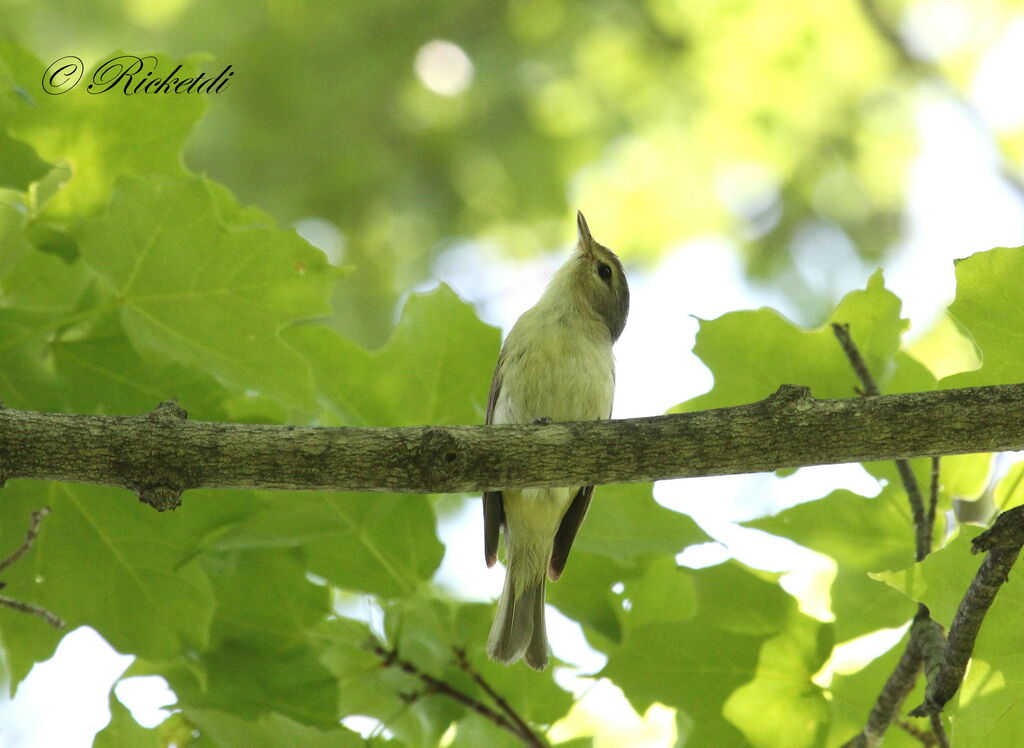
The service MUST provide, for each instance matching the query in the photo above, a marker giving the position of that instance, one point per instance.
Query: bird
(556, 364)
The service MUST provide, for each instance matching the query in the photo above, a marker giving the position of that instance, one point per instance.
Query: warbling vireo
(556, 364)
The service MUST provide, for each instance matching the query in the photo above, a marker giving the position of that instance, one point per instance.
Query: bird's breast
(557, 373)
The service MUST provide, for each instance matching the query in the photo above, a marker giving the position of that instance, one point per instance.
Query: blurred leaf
(989, 706)
(584, 593)
(124, 730)
(125, 280)
(101, 137)
(424, 633)
(862, 535)
(1009, 491)
(223, 728)
(781, 706)
(38, 295)
(104, 374)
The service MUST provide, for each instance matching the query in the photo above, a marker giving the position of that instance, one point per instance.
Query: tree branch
(1003, 542)
(160, 454)
(923, 633)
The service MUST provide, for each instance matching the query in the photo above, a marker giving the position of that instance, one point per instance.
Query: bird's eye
(604, 270)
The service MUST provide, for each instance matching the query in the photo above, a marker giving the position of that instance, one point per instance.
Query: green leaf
(1009, 492)
(436, 368)
(990, 708)
(939, 581)
(39, 292)
(859, 533)
(694, 662)
(105, 541)
(665, 593)
(204, 292)
(584, 593)
(223, 728)
(780, 706)
(264, 599)
(689, 666)
(751, 353)
(250, 682)
(32, 280)
(862, 604)
(626, 533)
(101, 137)
(862, 535)
(989, 308)
(964, 477)
(104, 374)
(124, 730)
(385, 544)
(425, 633)
(624, 522)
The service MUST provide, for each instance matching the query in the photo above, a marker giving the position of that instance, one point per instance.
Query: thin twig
(933, 496)
(926, 738)
(860, 368)
(499, 700)
(939, 731)
(390, 658)
(52, 619)
(30, 538)
(922, 528)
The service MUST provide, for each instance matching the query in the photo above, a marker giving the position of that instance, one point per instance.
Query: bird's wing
(571, 521)
(494, 510)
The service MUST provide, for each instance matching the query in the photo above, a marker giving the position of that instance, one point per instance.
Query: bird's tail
(518, 629)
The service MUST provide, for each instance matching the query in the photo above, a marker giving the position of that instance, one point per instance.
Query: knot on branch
(159, 482)
(1006, 533)
(162, 497)
(791, 396)
(438, 457)
(168, 412)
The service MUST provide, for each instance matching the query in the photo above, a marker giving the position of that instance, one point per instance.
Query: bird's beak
(586, 241)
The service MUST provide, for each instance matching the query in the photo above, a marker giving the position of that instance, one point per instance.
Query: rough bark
(162, 453)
